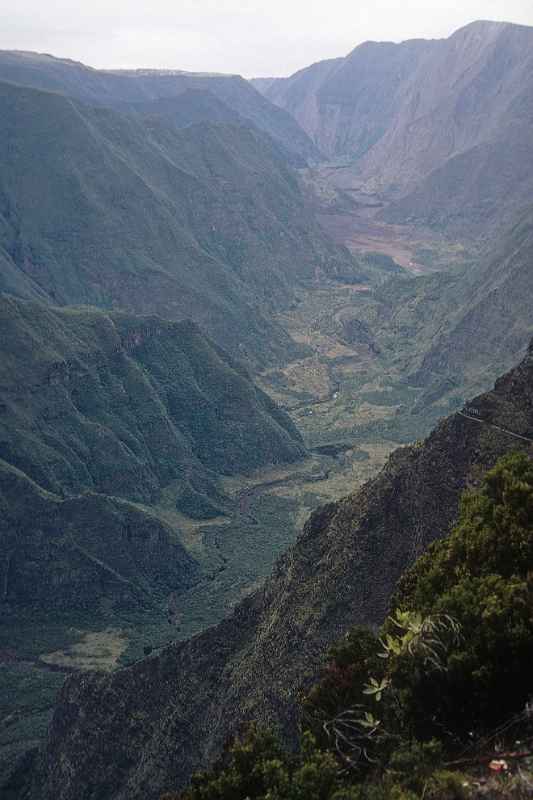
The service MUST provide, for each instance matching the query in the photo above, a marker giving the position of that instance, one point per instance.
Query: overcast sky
(273, 37)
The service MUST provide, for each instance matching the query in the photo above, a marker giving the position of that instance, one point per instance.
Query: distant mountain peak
(404, 113)
(487, 25)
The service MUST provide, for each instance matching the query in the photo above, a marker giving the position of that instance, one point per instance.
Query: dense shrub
(482, 576)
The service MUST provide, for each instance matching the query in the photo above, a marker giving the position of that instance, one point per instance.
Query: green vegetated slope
(128, 211)
(415, 348)
(495, 310)
(89, 554)
(189, 108)
(101, 411)
(124, 87)
(162, 209)
(168, 716)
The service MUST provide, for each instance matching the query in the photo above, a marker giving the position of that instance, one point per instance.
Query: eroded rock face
(146, 728)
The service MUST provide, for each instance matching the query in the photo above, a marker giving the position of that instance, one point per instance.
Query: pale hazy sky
(273, 37)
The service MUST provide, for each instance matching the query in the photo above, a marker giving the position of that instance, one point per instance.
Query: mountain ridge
(115, 88)
(119, 373)
(131, 220)
(206, 221)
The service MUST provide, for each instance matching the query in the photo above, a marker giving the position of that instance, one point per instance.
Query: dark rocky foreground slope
(146, 728)
(98, 413)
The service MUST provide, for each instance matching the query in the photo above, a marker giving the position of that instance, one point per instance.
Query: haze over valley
(257, 337)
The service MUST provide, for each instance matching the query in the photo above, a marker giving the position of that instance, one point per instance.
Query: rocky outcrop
(146, 728)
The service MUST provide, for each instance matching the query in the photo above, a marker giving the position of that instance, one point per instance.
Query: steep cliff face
(442, 124)
(299, 94)
(171, 714)
(467, 93)
(347, 104)
(480, 186)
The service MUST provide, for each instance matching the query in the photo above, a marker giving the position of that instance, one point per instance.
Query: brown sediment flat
(363, 235)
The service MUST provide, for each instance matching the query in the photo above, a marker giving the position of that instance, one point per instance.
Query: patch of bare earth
(96, 650)
(362, 235)
(347, 208)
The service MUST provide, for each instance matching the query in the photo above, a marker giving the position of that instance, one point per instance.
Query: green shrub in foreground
(451, 661)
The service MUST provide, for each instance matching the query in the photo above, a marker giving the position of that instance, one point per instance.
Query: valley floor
(348, 210)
